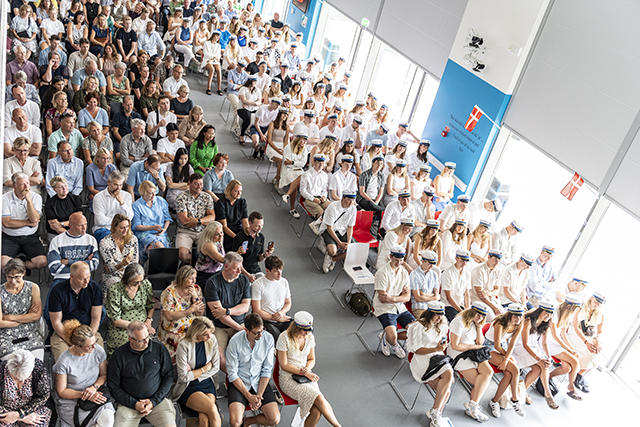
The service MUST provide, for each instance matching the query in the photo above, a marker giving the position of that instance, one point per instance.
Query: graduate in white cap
(391, 285)
(479, 243)
(425, 209)
(308, 127)
(542, 278)
(485, 283)
(263, 117)
(456, 282)
(501, 339)
(420, 181)
(577, 285)
(397, 210)
(336, 228)
(560, 346)
(314, 187)
(420, 157)
(371, 187)
(531, 350)
(425, 283)
(586, 337)
(453, 211)
(466, 334)
(398, 152)
(343, 179)
(427, 239)
(444, 185)
(296, 362)
(397, 182)
(332, 129)
(427, 340)
(398, 236)
(294, 158)
(484, 210)
(513, 284)
(453, 239)
(506, 241)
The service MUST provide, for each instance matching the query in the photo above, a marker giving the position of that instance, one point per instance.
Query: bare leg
(326, 410)
(209, 68)
(270, 416)
(313, 418)
(442, 386)
(184, 254)
(218, 76)
(205, 404)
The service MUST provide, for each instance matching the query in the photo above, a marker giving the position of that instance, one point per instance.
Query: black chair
(162, 268)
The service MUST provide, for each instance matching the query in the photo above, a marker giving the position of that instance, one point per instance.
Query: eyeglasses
(257, 334)
(15, 277)
(142, 341)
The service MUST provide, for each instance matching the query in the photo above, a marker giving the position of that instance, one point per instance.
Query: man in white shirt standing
(506, 241)
(271, 297)
(486, 210)
(109, 202)
(485, 283)
(456, 281)
(336, 229)
(264, 116)
(314, 187)
(392, 291)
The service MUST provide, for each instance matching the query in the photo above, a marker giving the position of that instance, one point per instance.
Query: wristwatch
(228, 312)
(199, 222)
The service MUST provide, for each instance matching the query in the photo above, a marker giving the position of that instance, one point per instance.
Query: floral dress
(306, 393)
(18, 304)
(54, 115)
(30, 26)
(171, 332)
(120, 306)
(31, 397)
(111, 255)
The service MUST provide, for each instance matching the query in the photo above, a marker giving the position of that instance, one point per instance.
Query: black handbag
(91, 407)
(477, 355)
(300, 379)
(588, 331)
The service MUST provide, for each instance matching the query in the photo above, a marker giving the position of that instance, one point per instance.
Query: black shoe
(539, 388)
(581, 384)
(553, 387)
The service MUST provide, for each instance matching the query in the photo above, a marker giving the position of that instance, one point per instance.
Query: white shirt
(247, 52)
(449, 248)
(449, 215)
(105, 207)
(348, 132)
(392, 283)
(12, 165)
(314, 184)
(265, 116)
(487, 280)
(52, 27)
(340, 182)
(339, 218)
(337, 132)
(414, 163)
(421, 210)
(270, 293)
(394, 213)
(172, 85)
(507, 244)
(15, 208)
(478, 212)
(249, 96)
(33, 133)
(166, 146)
(263, 82)
(30, 107)
(456, 283)
(139, 25)
(515, 281)
(467, 335)
(155, 117)
(311, 131)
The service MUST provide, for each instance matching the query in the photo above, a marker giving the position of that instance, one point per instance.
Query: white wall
(580, 93)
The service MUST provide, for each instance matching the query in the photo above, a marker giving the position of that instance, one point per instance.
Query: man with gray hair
(20, 79)
(121, 123)
(109, 202)
(134, 147)
(20, 63)
(20, 101)
(91, 69)
(140, 376)
(22, 128)
(228, 297)
(21, 210)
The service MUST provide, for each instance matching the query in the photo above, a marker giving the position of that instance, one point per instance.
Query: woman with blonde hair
(398, 236)
(428, 239)
(277, 139)
(466, 334)
(210, 252)
(190, 127)
(381, 116)
(326, 147)
(444, 185)
(374, 150)
(397, 182)
(420, 181)
(231, 212)
(273, 91)
(479, 243)
(79, 374)
(357, 110)
(370, 107)
(52, 116)
(296, 356)
(89, 85)
(151, 220)
(181, 301)
(231, 53)
(294, 157)
(197, 364)
(94, 141)
(117, 250)
(453, 239)
(560, 346)
(586, 336)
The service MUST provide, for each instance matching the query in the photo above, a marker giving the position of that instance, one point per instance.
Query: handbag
(477, 355)
(91, 407)
(588, 331)
(24, 34)
(300, 379)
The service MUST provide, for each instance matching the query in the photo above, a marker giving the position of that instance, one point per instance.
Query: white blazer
(186, 361)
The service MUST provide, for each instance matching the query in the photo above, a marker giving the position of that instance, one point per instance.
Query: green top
(202, 156)
(123, 85)
(120, 306)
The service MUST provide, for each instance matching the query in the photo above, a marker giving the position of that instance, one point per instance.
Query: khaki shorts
(186, 238)
(223, 335)
(163, 414)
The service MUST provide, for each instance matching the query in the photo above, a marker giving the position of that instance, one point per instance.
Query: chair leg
(266, 177)
(304, 223)
(397, 391)
(364, 342)
(333, 291)
(276, 197)
(222, 107)
(311, 254)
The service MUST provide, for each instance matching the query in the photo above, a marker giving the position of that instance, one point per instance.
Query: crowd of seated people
(103, 88)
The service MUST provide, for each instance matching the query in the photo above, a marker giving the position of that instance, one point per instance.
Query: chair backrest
(357, 254)
(163, 260)
(437, 215)
(364, 219)
(485, 328)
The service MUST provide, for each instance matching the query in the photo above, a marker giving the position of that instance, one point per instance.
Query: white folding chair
(355, 265)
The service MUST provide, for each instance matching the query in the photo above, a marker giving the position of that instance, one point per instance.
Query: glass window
(269, 7)
(335, 36)
(423, 109)
(529, 184)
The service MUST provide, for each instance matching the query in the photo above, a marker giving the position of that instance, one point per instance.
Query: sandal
(572, 394)
(528, 400)
(208, 91)
(551, 403)
(219, 92)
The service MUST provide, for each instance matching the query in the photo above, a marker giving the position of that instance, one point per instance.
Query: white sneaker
(385, 347)
(332, 266)
(326, 264)
(495, 408)
(434, 415)
(315, 226)
(294, 213)
(285, 198)
(206, 72)
(518, 408)
(479, 415)
(322, 247)
(399, 351)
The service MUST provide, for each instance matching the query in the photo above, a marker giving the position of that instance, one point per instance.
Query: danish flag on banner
(572, 187)
(472, 121)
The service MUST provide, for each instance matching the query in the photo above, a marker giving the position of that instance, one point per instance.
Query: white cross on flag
(572, 187)
(472, 121)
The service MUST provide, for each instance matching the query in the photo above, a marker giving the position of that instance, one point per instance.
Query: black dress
(205, 386)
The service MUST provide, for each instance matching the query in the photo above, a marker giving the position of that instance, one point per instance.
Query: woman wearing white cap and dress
(444, 185)
(428, 239)
(531, 350)
(479, 244)
(296, 357)
(426, 339)
(500, 339)
(419, 158)
(466, 334)
(294, 157)
(397, 182)
(420, 182)
(399, 236)
(394, 155)
(585, 336)
(560, 346)
(373, 151)
(453, 239)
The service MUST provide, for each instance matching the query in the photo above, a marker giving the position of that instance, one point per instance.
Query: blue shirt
(293, 61)
(43, 59)
(72, 171)
(95, 179)
(540, 284)
(249, 364)
(215, 185)
(238, 80)
(79, 76)
(84, 118)
(145, 215)
(75, 306)
(422, 281)
(152, 44)
(371, 135)
(138, 174)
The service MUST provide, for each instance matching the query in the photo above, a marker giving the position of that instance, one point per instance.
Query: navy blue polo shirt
(75, 306)
(255, 247)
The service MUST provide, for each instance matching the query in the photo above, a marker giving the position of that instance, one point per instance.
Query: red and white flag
(472, 121)
(572, 187)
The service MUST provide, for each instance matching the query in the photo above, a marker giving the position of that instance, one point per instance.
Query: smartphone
(20, 340)
(357, 268)
(443, 340)
(245, 245)
(270, 246)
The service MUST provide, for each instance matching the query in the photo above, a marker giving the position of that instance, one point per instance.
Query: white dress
(210, 54)
(522, 357)
(588, 360)
(467, 336)
(289, 173)
(277, 136)
(419, 337)
(554, 346)
(306, 393)
(479, 251)
(398, 185)
(444, 185)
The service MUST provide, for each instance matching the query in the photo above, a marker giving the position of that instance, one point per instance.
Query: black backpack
(358, 301)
